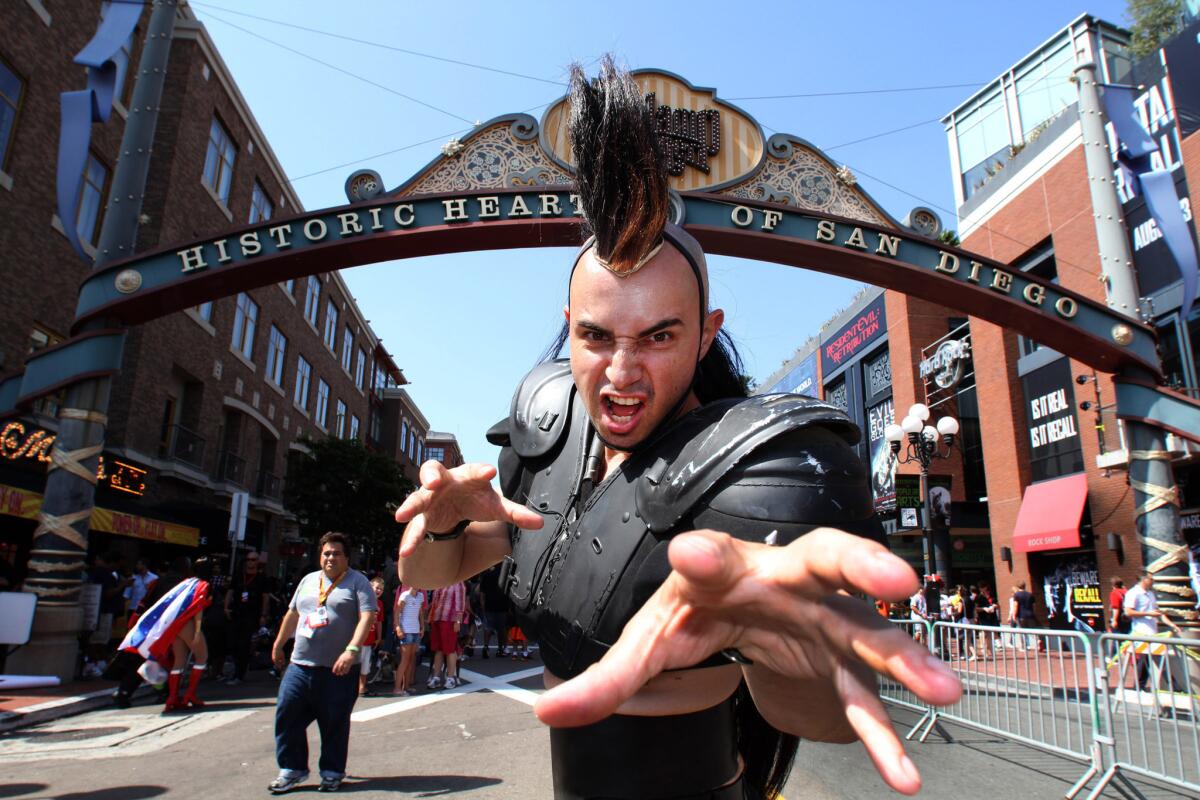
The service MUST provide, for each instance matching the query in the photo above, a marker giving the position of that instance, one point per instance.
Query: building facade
(210, 400)
(1039, 477)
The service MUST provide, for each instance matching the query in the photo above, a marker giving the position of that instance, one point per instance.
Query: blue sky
(466, 327)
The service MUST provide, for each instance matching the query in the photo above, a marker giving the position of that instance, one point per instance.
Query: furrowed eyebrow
(591, 326)
(660, 326)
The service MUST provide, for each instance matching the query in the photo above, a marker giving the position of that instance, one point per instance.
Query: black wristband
(735, 655)
(454, 533)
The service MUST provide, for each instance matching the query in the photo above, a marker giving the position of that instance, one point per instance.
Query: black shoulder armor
(781, 461)
(540, 409)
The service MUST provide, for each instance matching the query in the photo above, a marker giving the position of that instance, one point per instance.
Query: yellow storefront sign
(25, 504)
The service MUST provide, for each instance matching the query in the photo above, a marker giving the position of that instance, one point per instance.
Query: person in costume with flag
(683, 554)
(167, 632)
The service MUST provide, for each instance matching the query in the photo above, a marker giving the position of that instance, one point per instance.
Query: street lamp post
(922, 449)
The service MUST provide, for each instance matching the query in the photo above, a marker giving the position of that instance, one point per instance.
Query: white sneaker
(451, 682)
(434, 682)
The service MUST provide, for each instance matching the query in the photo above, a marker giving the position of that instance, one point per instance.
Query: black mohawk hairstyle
(620, 171)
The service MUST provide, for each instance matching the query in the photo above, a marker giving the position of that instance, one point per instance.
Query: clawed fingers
(870, 721)
(857, 635)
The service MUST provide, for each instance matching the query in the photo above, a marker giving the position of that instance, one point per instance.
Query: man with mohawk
(683, 554)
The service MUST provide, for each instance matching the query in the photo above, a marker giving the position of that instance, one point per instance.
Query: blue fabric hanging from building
(1157, 186)
(93, 104)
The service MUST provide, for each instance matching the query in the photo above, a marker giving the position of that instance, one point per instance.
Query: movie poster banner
(883, 463)
(909, 502)
(854, 336)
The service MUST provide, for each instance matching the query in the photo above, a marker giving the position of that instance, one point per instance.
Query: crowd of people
(244, 612)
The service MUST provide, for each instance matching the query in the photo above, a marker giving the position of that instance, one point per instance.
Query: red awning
(1050, 514)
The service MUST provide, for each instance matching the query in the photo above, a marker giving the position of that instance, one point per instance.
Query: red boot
(173, 702)
(190, 700)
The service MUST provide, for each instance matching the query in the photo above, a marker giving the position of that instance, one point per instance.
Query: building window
(879, 373)
(353, 427)
(276, 348)
(244, 319)
(92, 192)
(303, 374)
(836, 395)
(260, 206)
(311, 298)
(376, 424)
(218, 164)
(1042, 264)
(437, 454)
(322, 409)
(403, 435)
(412, 445)
(10, 100)
(360, 369)
(347, 348)
(289, 286)
(421, 452)
(1044, 88)
(339, 421)
(204, 311)
(331, 318)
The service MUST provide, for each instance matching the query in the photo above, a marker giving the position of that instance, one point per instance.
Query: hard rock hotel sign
(508, 184)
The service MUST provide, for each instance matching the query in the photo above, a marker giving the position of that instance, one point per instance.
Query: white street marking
(501, 684)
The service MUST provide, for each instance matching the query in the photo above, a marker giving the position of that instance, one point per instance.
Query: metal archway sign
(509, 184)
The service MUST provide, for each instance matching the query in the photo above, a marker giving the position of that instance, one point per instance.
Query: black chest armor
(768, 466)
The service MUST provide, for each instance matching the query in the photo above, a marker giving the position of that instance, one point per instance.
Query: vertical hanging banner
(93, 104)
(1144, 138)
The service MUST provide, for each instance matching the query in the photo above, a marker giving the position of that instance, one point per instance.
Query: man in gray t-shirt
(330, 615)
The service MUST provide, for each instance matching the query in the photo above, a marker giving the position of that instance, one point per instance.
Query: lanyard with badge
(320, 618)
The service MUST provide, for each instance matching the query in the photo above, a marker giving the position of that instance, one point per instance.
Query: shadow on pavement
(420, 785)
(18, 789)
(116, 793)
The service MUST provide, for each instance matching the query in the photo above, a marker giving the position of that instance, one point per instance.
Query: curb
(63, 707)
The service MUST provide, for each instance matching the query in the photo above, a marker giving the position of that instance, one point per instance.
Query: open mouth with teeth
(621, 414)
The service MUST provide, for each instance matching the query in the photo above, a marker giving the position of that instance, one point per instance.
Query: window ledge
(6, 181)
(56, 223)
(283, 288)
(238, 355)
(300, 408)
(275, 388)
(119, 107)
(216, 199)
(199, 320)
(40, 10)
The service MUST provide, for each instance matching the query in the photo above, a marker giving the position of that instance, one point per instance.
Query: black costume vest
(765, 468)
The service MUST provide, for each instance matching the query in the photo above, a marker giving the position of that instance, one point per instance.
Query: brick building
(1037, 427)
(443, 447)
(209, 401)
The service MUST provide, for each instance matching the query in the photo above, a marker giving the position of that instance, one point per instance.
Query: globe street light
(922, 448)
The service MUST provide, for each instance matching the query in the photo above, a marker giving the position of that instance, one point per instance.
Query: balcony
(231, 468)
(269, 485)
(184, 445)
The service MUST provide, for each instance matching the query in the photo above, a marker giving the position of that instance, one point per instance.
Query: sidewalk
(21, 707)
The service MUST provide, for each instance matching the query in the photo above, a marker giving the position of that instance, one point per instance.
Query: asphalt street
(478, 741)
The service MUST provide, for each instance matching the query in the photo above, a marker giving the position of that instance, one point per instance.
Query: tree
(949, 237)
(339, 485)
(1152, 22)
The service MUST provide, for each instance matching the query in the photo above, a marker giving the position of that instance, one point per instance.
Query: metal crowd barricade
(897, 693)
(1150, 691)
(1034, 686)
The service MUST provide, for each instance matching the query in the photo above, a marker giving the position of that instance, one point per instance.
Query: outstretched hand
(788, 610)
(446, 497)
